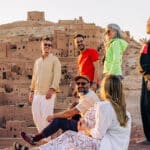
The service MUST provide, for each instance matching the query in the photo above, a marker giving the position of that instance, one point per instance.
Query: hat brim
(81, 77)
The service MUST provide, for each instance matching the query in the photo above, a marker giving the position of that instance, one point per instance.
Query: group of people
(105, 122)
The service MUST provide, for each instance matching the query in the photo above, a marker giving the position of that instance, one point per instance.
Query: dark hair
(46, 39)
(79, 35)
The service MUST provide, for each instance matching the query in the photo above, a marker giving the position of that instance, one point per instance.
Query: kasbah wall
(20, 46)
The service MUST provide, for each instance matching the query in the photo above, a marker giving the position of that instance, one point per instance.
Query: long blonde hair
(112, 90)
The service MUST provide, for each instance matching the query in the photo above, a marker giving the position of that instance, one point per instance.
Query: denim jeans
(60, 123)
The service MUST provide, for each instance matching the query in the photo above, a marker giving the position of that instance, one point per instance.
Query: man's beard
(81, 48)
(83, 92)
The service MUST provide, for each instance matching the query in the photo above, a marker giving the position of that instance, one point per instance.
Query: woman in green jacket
(115, 47)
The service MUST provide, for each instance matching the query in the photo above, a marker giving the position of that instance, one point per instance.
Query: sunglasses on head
(82, 83)
(46, 44)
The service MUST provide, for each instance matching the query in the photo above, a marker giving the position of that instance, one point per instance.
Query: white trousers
(41, 108)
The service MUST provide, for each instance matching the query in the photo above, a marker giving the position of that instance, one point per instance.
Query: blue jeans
(59, 123)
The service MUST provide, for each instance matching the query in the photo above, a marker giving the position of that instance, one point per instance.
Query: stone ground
(133, 102)
(137, 135)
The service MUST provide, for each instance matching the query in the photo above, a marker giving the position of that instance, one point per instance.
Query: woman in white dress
(106, 126)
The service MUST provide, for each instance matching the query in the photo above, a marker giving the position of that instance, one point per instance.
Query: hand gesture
(31, 97)
(50, 118)
(82, 126)
(50, 92)
(148, 85)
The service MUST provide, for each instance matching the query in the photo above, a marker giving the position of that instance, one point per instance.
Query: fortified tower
(36, 16)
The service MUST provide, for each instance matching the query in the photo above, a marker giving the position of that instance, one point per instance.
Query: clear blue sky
(129, 14)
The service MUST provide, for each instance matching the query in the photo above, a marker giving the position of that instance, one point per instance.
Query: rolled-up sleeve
(32, 86)
(57, 75)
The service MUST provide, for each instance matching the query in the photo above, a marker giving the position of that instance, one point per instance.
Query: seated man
(87, 99)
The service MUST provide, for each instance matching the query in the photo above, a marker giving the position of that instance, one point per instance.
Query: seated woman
(106, 126)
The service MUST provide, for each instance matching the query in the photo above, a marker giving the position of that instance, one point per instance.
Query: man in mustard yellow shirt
(44, 85)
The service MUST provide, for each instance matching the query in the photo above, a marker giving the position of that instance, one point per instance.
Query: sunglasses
(79, 41)
(107, 32)
(82, 83)
(46, 44)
